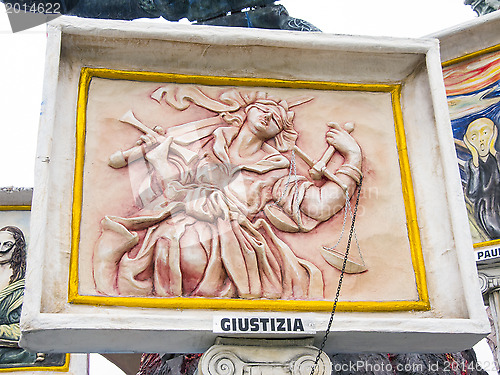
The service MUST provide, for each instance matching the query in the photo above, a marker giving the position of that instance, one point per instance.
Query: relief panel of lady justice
(224, 192)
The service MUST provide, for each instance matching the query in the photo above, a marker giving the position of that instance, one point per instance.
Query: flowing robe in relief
(203, 232)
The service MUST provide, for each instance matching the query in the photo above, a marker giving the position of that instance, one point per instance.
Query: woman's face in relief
(262, 124)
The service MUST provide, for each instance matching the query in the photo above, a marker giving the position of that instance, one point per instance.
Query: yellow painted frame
(63, 368)
(15, 208)
(458, 60)
(471, 55)
(222, 304)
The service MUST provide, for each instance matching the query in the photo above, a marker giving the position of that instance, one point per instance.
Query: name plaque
(487, 254)
(262, 324)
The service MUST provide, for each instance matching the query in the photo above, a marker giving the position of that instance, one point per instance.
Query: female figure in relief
(218, 190)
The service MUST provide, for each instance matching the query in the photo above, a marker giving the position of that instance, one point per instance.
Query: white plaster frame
(456, 320)
(469, 37)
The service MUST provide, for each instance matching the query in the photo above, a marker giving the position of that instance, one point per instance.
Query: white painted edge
(78, 364)
(343, 322)
(38, 241)
(469, 37)
(15, 196)
(239, 36)
(348, 334)
(465, 26)
(454, 191)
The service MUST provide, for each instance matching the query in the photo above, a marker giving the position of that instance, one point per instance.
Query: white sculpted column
(490, 288)
(263, 357)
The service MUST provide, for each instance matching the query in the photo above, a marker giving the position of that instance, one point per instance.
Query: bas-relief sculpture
(473, 97)
(12, 274)
(228, 200)
(212, 185)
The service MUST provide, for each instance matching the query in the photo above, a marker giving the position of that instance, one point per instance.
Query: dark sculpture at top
(482, 7)
(239, 13)
(266, 17)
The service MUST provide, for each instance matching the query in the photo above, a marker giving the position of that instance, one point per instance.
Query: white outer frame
(469, 37)
(80, 328)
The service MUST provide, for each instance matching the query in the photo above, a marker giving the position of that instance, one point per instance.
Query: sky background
(22, 65)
